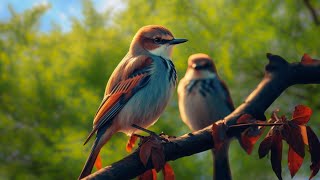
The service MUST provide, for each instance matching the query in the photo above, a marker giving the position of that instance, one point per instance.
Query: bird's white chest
(146, 106)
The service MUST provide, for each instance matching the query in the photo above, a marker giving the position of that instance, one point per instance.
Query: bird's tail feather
(221, 163)
(91, 160)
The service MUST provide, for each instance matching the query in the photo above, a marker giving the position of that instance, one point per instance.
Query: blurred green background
(53, 74)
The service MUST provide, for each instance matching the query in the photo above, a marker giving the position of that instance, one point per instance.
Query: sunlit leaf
(248, 141)
(294, 161)
(168, 173)
(252, 134)
(301, 114)
(304, 134)
(306, 59)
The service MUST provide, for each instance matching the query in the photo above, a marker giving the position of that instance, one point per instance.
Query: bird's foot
(166, 137)
(161, 136)
(151, 147)
(143, 129)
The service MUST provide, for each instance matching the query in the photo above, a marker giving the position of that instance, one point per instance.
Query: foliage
(152, 150)
(297, 134)
(51, 83)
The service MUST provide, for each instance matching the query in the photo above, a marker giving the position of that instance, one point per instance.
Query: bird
(203, 99)
(137, 91)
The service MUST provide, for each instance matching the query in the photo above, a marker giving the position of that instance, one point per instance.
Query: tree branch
(312, 11)
(279, 75)
(131, 166)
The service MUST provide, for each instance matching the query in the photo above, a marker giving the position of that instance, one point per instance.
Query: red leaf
(145, 152)
(246, 144)
(98, 163)
(248, 141)
(314, 148)
(265, 146)
(292, 134)
(306, 59)
(150, 174)
(294, 161)
(303, 130)
(245, 118)
(131, 143)
(301, 114)
(251, 135)
(152, 147)
(315, 169)
(218, 134)
(168, 173)
(276, 154)
(158, 159)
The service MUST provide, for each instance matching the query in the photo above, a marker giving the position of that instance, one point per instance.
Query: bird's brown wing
(228, 96)
(137, 75)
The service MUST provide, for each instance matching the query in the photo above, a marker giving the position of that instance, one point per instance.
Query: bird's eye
(157, 40)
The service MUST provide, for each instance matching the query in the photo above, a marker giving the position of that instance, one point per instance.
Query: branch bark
(313, 12)
(279, 75)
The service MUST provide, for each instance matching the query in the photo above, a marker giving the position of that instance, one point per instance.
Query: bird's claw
(162, 136)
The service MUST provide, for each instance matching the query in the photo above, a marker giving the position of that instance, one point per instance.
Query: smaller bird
(204, 99)
(138, 90)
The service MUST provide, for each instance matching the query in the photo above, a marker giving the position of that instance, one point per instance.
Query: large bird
(204, 99)
(138, 90)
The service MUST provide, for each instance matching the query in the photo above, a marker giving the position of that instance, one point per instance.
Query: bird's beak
(177, 41)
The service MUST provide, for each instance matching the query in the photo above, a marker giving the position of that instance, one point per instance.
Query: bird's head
(201, 66)
(154, 39)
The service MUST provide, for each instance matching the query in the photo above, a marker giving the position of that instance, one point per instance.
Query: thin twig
(143, 129)
(138, 135)
(256, 124)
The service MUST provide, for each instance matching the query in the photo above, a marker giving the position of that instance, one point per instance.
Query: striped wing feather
(122, 91)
